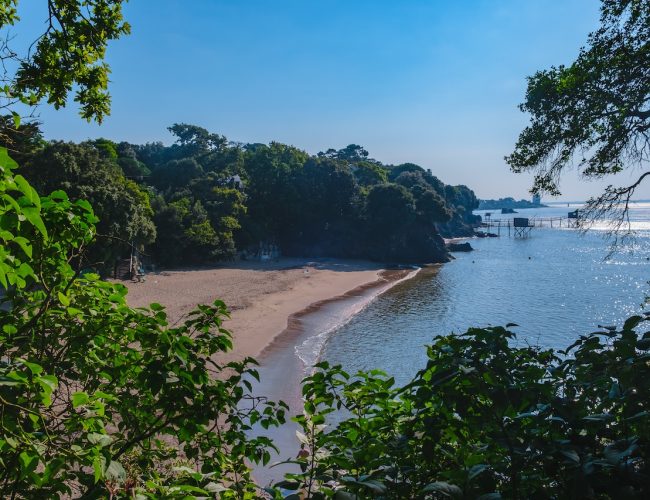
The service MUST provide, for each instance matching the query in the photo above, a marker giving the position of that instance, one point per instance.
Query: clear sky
(434, 82)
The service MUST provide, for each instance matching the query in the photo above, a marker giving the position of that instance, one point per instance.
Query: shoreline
(276, 308)
(360, 297)
(264, 299)
(283, 366)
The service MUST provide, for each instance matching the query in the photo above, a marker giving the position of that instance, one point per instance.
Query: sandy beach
(261, 296)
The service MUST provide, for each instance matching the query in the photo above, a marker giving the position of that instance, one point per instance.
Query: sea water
(555, 284)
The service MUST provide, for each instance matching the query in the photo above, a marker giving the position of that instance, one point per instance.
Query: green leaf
(445, 489)
(9, 329)
(476, 470)
(28, 461)
(632, 322)
(27, 190)
(115, 472)
(32, 214)
(23, 243)
(79, 399)
(213, 487)
(601, 417)
(6, 160)
(637, 416)
(36, 369)
(49, 381)
(98, 468)
(9, 381)
(187, 488)
(63, 299)
(99, 439)
(59, 195)
(375, 486)
(287, 485)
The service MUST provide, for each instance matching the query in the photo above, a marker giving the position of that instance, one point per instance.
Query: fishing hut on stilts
(521, 227)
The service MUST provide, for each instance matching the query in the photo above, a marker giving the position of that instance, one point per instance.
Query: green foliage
(594, 112)
(200, 230)
(369, 174)
(188, 236)
(128, 162)
(211, 198)
(399, 223)
(273, 194)
(68, 55)
(101, 399)
(389, 207)
(89, 171)
(307, 205)
(21, 141)
(98, 399)
(485, 419)
(352, 153)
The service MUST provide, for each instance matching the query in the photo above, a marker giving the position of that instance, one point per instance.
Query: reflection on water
(555, 285)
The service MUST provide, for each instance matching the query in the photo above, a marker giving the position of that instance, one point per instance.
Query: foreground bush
(98, 399)
(485, 419)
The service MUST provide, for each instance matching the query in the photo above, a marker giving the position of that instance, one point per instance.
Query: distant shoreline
(508, 204)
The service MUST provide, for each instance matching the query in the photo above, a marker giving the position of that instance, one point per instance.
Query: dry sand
(260, 296)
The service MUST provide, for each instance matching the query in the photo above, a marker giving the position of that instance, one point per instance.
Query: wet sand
(289, 358)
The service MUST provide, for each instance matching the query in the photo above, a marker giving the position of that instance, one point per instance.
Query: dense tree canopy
(595, 112)
(88, 386)
(90, 171)
(211, 198)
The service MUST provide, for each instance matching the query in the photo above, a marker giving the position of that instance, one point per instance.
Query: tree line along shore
(206, 199)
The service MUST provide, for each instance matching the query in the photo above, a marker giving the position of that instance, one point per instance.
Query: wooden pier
(521, 227)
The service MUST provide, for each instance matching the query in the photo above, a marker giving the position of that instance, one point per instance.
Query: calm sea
(556, 284)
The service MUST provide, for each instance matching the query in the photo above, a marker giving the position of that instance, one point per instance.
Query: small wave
(309, 352)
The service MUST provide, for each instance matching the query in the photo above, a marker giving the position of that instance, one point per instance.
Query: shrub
(485, 419)
(98, 398)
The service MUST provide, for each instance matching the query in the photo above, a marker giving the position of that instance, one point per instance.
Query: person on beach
(137, 271)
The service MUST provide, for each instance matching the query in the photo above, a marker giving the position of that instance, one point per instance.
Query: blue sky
(430, 82)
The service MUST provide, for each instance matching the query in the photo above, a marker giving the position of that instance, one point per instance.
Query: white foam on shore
(310, 351)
